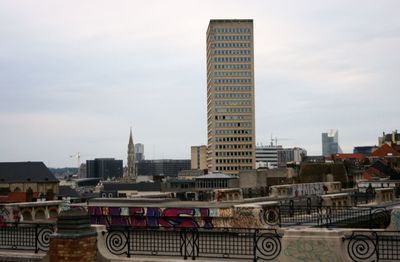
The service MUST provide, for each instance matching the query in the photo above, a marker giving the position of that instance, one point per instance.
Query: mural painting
(4, 215)
(155, 217)
(395, 219)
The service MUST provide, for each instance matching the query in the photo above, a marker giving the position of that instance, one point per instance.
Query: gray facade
(104, 168)
(330, 143)
(162, 167)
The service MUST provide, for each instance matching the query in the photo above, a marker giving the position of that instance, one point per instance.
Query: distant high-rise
(230, 96)
(199, 157)
(330, 143)
(104, 168)
(139, 152)
(267, 156)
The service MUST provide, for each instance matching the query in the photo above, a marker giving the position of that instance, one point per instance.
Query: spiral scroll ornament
(43, 237)
(268, 246)
(116, 242)
(380, 218)
(362, 248)
(270, 216)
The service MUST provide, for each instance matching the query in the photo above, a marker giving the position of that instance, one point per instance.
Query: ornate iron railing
(232, 243)
(26, 236)
(371, 246)
(327, 216)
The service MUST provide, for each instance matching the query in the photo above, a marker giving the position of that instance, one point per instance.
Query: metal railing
(232, 243)
(327, 216)
(26, 236)
(371, 246)
(362, 197)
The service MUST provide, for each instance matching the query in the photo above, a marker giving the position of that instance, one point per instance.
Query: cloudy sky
(75, 75)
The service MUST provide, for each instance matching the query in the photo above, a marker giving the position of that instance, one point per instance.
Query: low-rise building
(26, 182)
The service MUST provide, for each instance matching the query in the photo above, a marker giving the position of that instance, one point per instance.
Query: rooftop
(17, 172)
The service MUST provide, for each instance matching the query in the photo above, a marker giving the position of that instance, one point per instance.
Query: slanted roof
(382, 169)
(385, 150)
(67, 191)
(22, 172)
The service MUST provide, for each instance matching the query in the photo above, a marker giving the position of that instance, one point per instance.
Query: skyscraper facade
(139, 152)
(198, 157)
(330, 143)
(230, 96)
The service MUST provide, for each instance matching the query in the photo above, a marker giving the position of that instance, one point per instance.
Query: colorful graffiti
(153, 217)
(395, 219)
(4, 215)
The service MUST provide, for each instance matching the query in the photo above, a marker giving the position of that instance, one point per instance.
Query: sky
(76, 75)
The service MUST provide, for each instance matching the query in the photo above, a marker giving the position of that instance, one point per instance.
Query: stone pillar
(74, 240)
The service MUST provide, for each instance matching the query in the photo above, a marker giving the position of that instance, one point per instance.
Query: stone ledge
(21, 256)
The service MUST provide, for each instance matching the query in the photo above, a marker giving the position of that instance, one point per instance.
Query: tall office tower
(230, 96)
(198, 157)
(139, 152)
(330, 142)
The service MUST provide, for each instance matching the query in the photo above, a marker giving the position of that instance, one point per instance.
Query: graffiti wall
(154, 217)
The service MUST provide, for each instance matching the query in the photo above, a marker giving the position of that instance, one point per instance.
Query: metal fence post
(128, 242)
(291, 208)
(377, 246)
(370, 218)
(279, 216)
(308, 206)
(255, 245)
(184, 243)
(36, 238)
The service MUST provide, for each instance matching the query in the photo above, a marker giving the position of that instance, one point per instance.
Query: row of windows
(232, 161)
(232, 117)
(233, 103)
(232, 30)
(233, 153)
(234, 73)
(233, 88)
(233, 146)
(231, 45)
(232, 59)
(232, 95)
(226, 168)
(215, 183)
(234, 66)
(233, 110)
(232, 37)
(232, 52)
(243, 124)
(232, 139)
(232, 81)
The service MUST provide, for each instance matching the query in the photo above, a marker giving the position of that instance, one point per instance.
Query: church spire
(131, 174)
(130, 138)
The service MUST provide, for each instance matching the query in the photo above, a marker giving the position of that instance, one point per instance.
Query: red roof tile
(385, 150)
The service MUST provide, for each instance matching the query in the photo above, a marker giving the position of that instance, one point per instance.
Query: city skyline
(74, 78)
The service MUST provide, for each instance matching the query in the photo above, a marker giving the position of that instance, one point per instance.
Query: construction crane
(275, 139)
